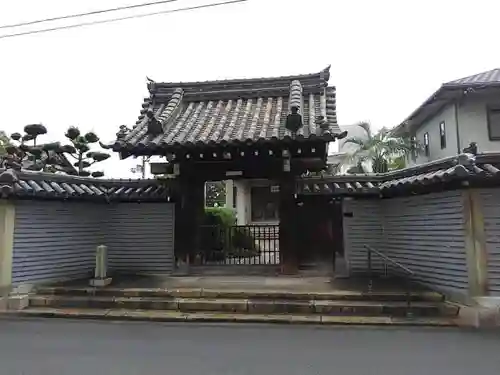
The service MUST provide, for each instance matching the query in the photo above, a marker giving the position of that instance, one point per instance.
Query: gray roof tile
(219, 112)
(484, 167)
(448, 92)
(26, 184)
(340, 185)
(491, 76)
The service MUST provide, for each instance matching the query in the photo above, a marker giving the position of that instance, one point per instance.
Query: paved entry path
(48, 347)
(280, 283)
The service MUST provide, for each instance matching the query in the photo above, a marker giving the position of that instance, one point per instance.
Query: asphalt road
(51, 347)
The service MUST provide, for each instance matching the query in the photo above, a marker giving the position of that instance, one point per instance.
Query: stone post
(101, 268)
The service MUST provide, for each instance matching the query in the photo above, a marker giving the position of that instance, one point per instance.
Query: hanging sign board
(234, 173)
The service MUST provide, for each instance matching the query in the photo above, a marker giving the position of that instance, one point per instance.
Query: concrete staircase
(231, 305)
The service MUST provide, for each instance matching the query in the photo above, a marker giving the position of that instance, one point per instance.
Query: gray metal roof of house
(462, 168)
(27, 184)
(448, 92)
(232, 111)
(488, 77)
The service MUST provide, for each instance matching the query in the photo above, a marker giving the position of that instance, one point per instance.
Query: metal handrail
(390, 260)
(408, 271)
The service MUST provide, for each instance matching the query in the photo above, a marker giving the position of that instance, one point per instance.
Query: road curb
(290, 319)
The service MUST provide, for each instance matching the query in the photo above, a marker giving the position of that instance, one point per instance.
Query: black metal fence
(238, 245)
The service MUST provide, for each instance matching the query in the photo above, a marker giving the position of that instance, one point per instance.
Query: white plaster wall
(229, 193)
(243, 201)
(473, 124)
(431, 126)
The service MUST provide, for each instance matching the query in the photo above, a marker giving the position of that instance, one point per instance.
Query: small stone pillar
(101, 268)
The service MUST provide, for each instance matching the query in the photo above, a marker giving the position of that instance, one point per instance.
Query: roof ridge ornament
(7, 180)
(122, 133)
(151, 85)
(154, 125)
(158, 123)
(294, 118)
(325, 74)
(172, 107)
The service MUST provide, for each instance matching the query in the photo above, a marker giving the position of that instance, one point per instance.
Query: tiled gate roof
(231, 111)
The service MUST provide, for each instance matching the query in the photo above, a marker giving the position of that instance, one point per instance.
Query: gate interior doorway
(320, 234)
(243, 245)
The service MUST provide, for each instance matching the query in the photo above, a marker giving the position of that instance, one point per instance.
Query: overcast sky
(387, 56)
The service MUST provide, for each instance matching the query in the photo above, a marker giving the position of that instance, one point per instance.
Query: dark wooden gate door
(320, 234)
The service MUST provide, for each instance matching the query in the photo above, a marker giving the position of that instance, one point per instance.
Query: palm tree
(384, 151)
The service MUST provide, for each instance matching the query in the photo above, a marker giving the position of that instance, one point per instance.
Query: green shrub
(219, 216)
(221, 238)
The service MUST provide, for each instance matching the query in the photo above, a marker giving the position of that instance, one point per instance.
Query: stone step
(247, 306)
(336, 295)
(221, 317)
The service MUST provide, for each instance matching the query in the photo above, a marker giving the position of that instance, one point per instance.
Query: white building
(460, 112)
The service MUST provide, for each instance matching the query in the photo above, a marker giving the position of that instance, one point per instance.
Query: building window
(414, 148)
(426, 144)
(442, 134)
(494, 123)
(235, 195)
(264, 204)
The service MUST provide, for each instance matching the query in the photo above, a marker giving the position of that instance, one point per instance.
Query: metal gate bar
(238, 245)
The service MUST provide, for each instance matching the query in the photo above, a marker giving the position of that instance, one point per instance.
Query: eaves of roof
(232, 112)
(463, 168)
(40, 185)
(447, 93)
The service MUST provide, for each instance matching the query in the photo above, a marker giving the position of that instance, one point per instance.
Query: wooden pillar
(475, 242)
(288, 219)
(189, 212)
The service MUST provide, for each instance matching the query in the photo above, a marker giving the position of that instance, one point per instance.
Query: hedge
(221, 238)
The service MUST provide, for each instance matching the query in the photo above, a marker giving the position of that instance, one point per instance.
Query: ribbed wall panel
(426, 234)
(362, 226)
(57, 240)
(140, 237)
(54, 240)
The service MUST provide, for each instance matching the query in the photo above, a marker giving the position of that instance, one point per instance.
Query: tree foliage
(80, 151)
(381, 149)
(4, 142)
(24, 151)
(215, 195)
